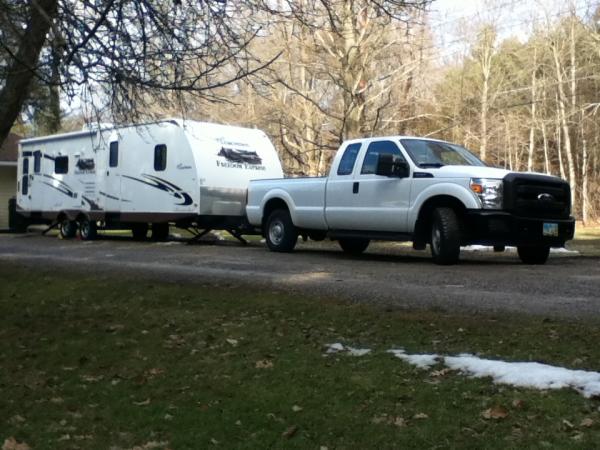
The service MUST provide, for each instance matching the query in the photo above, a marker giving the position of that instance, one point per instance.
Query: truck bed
(305, 198)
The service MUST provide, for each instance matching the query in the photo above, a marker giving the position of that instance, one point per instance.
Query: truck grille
(529, 195)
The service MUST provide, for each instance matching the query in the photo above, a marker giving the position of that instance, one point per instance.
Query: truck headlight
(490, 192)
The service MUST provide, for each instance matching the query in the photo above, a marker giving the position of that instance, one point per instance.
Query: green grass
(97, 362)
(587, 240)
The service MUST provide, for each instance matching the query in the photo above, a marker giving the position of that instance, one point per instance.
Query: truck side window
(113, 154)
(160, 157)
(25, 166)
(373, 152)
(37, 161)
(348, 160)
(61, 164)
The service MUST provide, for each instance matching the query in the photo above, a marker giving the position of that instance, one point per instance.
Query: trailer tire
(88, 230)
(160, 231)
(445, 236)
(139, 231)
(281, 234)
(533, 254)
(354, 246)
(67, 228)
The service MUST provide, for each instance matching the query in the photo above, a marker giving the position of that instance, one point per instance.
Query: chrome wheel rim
(276, 232)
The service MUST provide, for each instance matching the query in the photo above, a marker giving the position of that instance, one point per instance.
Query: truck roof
(395, 137)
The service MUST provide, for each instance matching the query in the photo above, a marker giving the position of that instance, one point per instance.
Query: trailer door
(111, 192)
(36, 181)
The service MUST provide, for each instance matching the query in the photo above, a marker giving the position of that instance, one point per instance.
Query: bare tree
(114, 52)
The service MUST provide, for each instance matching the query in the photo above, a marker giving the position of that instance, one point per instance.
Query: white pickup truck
(415, 189)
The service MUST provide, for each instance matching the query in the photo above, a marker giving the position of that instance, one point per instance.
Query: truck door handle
(355, 187)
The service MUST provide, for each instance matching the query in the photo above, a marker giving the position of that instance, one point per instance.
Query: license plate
(550, 229)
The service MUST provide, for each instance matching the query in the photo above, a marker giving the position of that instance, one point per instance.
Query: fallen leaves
(496, 412)
(12, 444)
(290, 432)
(264, 364)
(587, 422)
(389, 420)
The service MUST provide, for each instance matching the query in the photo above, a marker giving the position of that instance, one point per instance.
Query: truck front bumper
(504, 228)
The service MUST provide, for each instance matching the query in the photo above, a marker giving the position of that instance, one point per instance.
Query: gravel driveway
(391, 275)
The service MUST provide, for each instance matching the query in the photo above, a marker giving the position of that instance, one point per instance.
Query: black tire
(139, 231)
(87, 229)
(67, 229)
(317, 236)
(533, 254)
(445, 236)
(160, 231)
(354, 246)
(280, 233)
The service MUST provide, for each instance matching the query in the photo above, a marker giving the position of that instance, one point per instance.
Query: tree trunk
(532, 126)
(562, 101)
(22, 68)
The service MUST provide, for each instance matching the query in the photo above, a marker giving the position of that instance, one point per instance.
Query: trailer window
(61, 164)
(37, 161)
(160, 157)
(348, 160)
(25, 166)
(113, 154)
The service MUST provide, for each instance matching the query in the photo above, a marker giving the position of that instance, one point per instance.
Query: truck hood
(467, 172)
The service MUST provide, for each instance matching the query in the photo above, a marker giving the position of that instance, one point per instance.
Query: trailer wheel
(533, 255)
(139, 231)
(160, 231)
(67, 229)
(354, 246)
(281, 235)
(445, 236)
(87, 229)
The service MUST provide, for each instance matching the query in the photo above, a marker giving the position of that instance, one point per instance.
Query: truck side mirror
(389, 166)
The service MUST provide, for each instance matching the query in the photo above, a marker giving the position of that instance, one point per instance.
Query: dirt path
(395, 276)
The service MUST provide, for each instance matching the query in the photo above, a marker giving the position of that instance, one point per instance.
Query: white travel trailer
(189, 173)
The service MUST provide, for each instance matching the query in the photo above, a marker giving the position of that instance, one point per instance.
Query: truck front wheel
(533, 255)
(445, 236)
(281, 234)
(354, 246)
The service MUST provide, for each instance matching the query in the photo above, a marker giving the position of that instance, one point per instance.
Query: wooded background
(518, 89)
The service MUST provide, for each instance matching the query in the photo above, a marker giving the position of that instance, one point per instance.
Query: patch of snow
(341, 348)
(519, 374)
(564, 250)
(421, 361)
(486, 248)
(527, 374)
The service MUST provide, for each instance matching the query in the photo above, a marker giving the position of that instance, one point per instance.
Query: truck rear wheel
(354, 246)
(533, 255)
(281, 234)
(67, 229)
(87, 229)
(445, 236)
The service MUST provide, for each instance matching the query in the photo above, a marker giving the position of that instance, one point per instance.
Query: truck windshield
(426, 153)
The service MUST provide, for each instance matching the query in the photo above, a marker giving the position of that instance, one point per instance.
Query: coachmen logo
(545, 197)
